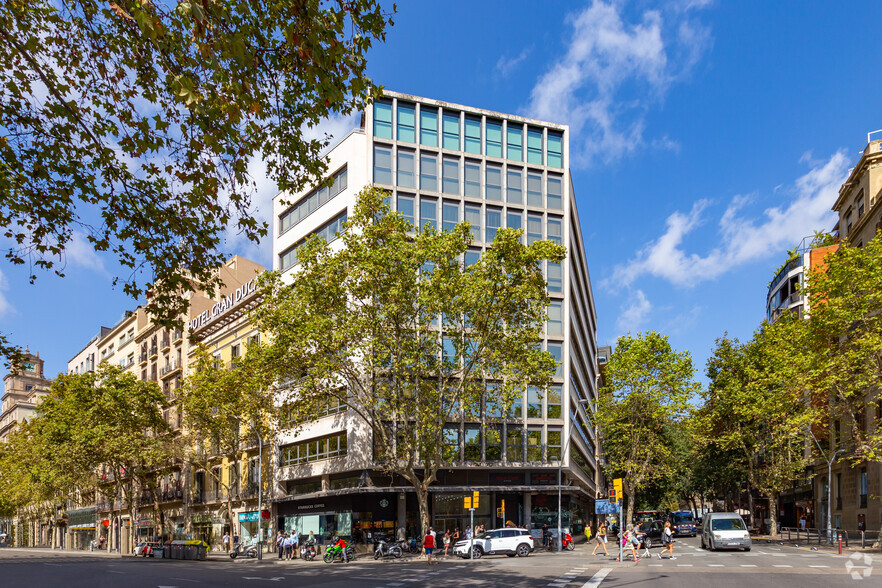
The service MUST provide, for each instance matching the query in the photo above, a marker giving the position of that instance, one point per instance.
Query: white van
(724, 530)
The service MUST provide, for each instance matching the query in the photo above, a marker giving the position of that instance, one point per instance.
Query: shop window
(382, 165)
(450, 176)
(515, 142)
(429, 172)
(473, 135)
(406, 122)
(555, 149)
(472, 444)
(554, 192)
(554, 444)
(534, 444)
(472, 178)
(383, 119)
(534, 146)
(473, 217)
(494, 223)
(428, 126)
(494, 138)
(405, 208)
(450, 130)
(493, 183)
(514, 444)
(406, 175)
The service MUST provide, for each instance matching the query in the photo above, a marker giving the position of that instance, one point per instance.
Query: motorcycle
(567, 542)
(382, 549)
(334, 553)
(247, 549)
(308, 550)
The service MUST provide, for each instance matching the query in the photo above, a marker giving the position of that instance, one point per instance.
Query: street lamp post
(259, 495)
(829, 461)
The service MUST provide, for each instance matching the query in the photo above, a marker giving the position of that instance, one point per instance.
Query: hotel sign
(226, 303)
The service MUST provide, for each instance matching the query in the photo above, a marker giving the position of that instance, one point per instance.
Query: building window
(493, 441)
(493, 186)
(472, 256)
(494, 223)
(428, 127)
(473, 217)
(428, 213)
(860, 204)
(450, 176)
(514, 444)
(494, 138)
(555, 149)
(555, 192)
(406, 175)
(554, 396)
(382, 165)
(534, 228)
(514, 190)
(554, 444)
(514, 220)
(556, 351)
(473, 135)
(450, 130)
(555, 277)
(472, 444)
(555, 318)
(406, 122)
(534, 146)
(848, 222)
(472, 179)
(429, 172)
(534, 444)
(516, 409)
(534, 403)
(555, 230)
(863, 489)
(515, 142)
(383, 119)
(534, 189)
(450, 451)
(405, 208)
(329, 231)
(314, 450)
(449, 215)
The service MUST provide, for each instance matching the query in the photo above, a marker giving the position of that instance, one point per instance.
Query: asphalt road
(765, 565)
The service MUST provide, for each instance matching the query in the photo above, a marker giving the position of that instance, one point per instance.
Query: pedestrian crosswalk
(567, 577)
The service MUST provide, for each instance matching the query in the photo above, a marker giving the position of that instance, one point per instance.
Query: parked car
(646, 516)
(145, 548)
(683, 524)
(650, 533)
(724, 530)
(510, 542)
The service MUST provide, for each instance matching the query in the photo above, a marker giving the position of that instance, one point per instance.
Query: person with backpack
(668, 541)
(429, 545)
(600, 538)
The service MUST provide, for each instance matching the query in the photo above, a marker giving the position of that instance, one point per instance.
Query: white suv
(510, 542)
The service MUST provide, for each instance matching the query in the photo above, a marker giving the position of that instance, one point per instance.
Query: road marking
(819, 566)
(185, 580)
(716, 566)
(782, 566)
(597, 578)
(684, 565)
(748, 566)
(656, 565)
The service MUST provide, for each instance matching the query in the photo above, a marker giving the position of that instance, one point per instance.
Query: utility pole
(829, 461)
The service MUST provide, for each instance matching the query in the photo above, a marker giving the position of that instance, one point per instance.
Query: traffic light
(613, 497)
(475, 499)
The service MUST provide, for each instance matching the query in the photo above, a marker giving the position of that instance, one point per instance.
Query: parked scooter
(567, 542)
(308, 550)
(383, 549)
(247, 549)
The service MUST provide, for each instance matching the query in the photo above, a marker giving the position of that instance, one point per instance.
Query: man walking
(280, 544)
(226, 541)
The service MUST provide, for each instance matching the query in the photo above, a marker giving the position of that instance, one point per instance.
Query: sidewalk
(823, 547)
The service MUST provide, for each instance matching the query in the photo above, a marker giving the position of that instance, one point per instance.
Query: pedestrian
(545, 535)
(600, 539)
(468, 532)
(235, 539)
(802, 522)
(280, 544)
(446, 541)
(226, 541)
(628, 542)
(455, 537)
(667, 541)
(429, 545)
(587, 534)
(342, 545)
(289, 546)
(295, 544)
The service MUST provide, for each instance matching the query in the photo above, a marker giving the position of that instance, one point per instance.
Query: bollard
(840, 543)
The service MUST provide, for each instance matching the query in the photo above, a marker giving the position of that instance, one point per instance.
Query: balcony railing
(165, 342)
(177, 335)
(143, 357)
(153, 350)
(172, 366)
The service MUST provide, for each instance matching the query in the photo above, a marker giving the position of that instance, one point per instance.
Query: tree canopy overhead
(134, 123)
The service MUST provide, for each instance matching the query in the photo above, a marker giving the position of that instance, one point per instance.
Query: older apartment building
(444, 163)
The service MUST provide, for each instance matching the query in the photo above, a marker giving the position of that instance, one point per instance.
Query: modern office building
(442, 164)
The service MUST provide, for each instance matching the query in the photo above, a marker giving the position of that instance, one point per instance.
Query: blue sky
(707, 138)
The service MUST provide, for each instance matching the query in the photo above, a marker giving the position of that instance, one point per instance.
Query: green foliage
(646, 394)
(138, 124)
(359, 324)
(845, 326)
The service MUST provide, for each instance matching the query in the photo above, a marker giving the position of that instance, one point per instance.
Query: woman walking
(600, 538)
(668, 541)
(446, 541)
(429, 545)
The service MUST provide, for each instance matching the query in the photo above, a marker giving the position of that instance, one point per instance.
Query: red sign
(105, 523)
(265, 515)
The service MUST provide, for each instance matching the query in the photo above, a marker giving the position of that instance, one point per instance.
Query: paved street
(765, 565)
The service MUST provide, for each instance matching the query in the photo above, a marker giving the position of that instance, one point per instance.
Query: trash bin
(158, 552)
(201, 552)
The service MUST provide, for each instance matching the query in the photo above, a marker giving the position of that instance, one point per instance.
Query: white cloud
(506, 65)
(741, 239)
(5, 305)
(633, 312)
(607, 57)
(79, 252)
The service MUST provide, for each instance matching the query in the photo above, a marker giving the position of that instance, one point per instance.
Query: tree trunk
(629, 513)
(773, 514)
(750, 507)
(422, 492)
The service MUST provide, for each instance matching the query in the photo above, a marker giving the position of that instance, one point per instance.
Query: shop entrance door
(514, 509)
